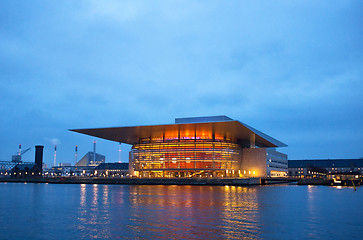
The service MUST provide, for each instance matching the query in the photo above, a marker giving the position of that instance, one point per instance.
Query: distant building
(112, 170)
(30, 170)
(216, 146)
(16, 158)
(64, 164)
(276, 163)
(83, 168)
(68, 171)
(89, 160)
(325, 167)
(24, 170)
(6, 168)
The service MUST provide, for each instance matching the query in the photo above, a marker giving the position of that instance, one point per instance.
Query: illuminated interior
(188, 158)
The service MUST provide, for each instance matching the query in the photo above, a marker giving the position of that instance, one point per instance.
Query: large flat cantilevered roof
(231, 129)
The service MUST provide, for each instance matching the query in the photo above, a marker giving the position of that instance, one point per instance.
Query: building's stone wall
(253, 163)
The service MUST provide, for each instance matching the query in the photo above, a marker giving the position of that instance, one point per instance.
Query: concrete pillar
(252, 140)
(94, 152)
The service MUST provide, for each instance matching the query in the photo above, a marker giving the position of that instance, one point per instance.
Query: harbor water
(86, 211)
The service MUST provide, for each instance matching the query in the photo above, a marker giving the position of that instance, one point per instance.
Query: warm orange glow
(204, 135)
(171, 135)
(185, 156)
(157, 139)
(219, 137)
(274, 173)
(187, 135)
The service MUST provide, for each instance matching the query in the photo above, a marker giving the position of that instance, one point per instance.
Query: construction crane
(17, 158)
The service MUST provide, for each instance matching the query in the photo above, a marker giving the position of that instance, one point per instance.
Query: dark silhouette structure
(39, 157)
(30, 170)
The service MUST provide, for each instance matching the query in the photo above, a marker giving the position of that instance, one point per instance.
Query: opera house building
(215, 146)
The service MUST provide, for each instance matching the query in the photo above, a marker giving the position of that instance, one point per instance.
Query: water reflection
(194, 211)
(95, 195)
(172, 212)
(198, 212)
(60, 211)
(83, 195)
(240, 212)
(105, 196)
(94, 220)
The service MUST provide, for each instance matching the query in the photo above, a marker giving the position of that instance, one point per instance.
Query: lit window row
(185, 155)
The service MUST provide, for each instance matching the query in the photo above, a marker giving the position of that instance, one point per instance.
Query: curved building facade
(196, 147)
(187, 158)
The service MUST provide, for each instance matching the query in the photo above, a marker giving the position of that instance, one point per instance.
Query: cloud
(53, 141)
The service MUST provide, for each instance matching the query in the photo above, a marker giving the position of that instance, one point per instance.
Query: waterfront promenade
(154, 181)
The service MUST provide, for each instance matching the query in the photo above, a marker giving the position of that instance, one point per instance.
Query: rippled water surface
(57, 211)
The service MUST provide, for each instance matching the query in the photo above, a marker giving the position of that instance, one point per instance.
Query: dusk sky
(291, 69)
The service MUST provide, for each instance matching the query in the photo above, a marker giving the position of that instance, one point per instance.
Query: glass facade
(186, 158)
